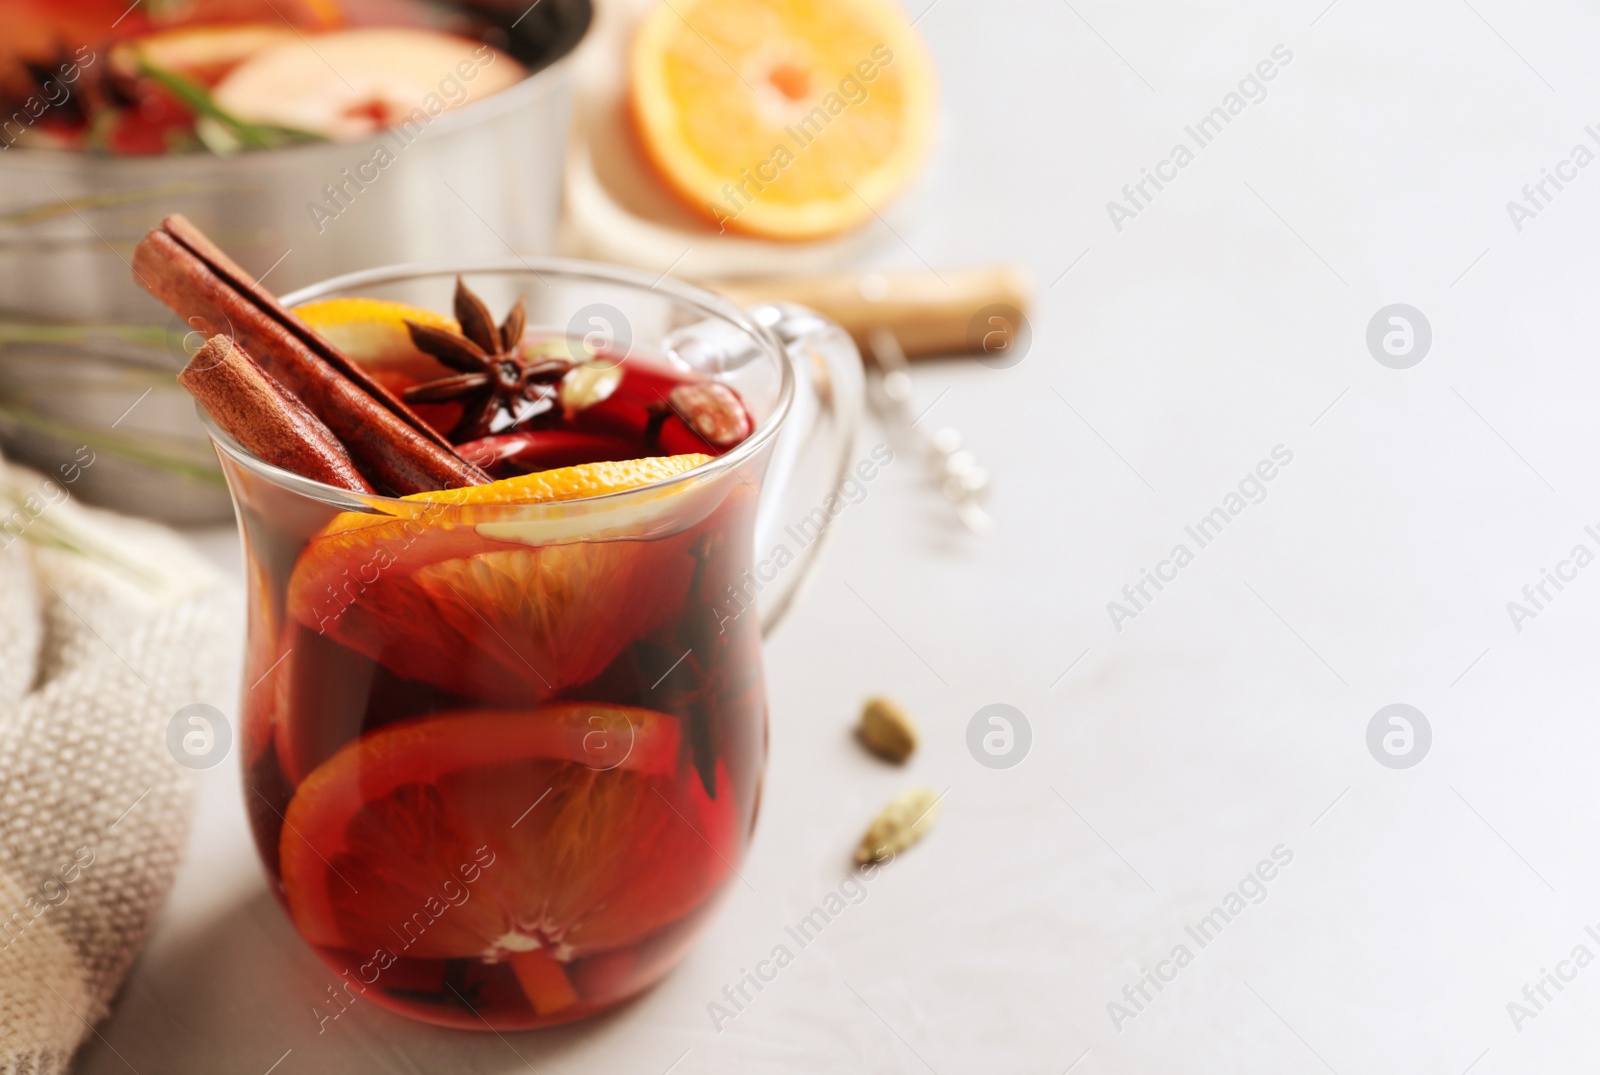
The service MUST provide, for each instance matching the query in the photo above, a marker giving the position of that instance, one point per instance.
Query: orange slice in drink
(506, 836)
(433, 599)
(788, 119)
(373, 333)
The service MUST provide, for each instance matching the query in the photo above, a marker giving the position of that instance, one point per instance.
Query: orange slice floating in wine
(433, 599)
(373, 333)
(532, 837)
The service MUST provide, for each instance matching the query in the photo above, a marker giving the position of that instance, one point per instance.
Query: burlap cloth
(108, 626)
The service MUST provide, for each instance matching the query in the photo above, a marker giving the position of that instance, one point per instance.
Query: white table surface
(1230, 715)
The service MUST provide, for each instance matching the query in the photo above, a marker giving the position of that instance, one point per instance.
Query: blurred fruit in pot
(153, 123)
(353, 84)
(38, 31)
(786, 119)
(202, 54)
(230, 75)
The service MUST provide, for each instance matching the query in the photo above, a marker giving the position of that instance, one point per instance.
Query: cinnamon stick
(392, 448)
(258, 413)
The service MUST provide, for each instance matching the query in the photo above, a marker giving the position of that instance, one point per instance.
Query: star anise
(502, 388)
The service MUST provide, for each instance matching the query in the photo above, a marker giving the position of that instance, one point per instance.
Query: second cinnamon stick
(257, 412)
(386, 442)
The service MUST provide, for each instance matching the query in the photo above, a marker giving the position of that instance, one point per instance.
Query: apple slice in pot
(202, 54)
(352, 84)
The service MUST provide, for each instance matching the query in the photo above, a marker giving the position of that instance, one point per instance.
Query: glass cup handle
(814, 455)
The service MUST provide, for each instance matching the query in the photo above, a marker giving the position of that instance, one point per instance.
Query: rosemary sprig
(39, 332)
(157, 453)
(220, 130)
(46, 531)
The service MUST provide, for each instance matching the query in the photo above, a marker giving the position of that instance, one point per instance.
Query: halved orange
(500, 835)
(433, 599)
(789, 119)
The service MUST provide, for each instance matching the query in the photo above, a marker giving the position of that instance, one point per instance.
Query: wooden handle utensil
(953, 312)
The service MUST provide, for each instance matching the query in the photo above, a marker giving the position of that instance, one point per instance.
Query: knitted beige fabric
(108, 626)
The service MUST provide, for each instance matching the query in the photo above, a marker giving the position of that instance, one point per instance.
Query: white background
(1227, 718)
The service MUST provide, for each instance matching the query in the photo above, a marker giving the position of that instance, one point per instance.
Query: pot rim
(537, 85)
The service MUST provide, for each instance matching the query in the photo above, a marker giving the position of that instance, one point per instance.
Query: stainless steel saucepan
(87, 358)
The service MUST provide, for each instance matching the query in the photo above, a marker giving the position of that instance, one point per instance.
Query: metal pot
(87, 357)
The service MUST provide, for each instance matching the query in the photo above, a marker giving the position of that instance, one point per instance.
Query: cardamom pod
(587, 384)
(902, 823)
(887, 729)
